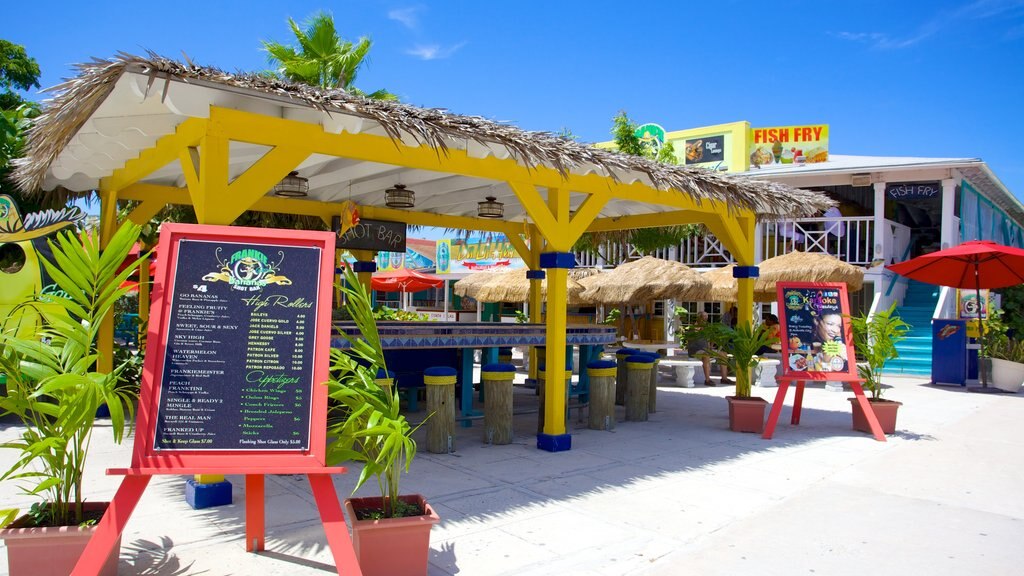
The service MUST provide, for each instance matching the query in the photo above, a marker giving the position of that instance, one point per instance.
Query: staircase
(915, 352)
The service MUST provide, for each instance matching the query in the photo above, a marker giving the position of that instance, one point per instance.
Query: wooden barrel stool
(440, 383)
(497, 382)
(602, 395)
(638, 386)
(620, 373)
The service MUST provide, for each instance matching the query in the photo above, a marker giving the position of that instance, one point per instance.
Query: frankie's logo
(248, 270)
(794, 299)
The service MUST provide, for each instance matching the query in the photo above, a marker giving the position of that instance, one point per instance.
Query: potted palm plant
(738, 349)
(390, 532)
(875, 337)
(54, 388)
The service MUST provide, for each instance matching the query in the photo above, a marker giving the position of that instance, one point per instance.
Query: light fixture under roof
(292, 186)
(490, 208)
(399, 197)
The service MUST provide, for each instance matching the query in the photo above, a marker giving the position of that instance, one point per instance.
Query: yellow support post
(108, 224)
(536, 296)
(364, 267)
(557, 264)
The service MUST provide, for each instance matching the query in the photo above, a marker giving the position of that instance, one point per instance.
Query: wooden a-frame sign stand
(794, 298)
(251, 266)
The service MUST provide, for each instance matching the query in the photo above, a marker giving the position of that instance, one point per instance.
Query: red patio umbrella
(404, 280)
(975, 264)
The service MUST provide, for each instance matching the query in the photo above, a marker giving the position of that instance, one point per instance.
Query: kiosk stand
(234, 376)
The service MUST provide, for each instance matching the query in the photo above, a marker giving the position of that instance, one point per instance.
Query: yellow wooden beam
(108, 225)
(522, 248)
(253, 184)
(213, 179)
(536, 207)
(145, 211)
(739, 240)
(586, 214)
(674, 218)
(166, 149)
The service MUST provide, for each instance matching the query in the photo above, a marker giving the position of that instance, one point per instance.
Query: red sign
(238, 352)
(817, 341)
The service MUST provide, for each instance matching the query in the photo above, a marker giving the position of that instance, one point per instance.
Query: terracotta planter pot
(392, 546)
(885, 411)
(746, 414)
(51, 551)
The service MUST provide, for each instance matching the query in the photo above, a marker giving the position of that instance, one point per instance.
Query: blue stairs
(915, 352)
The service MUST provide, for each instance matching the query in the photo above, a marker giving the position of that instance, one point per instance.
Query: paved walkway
(679, 494)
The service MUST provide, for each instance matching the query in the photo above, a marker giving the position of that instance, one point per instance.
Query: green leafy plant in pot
(53, 385)
(738, 349)
(391, 532)
(875, 337)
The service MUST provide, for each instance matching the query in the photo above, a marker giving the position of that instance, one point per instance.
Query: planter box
(746, 414)
(392, 546)
(885, 411)
(52, 551)
(1007, 376)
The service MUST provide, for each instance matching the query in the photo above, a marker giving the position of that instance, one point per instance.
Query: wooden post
(440, 383)
(638, 387)
(652, 399)
(497, 381)
(620, 374)
(602, 395)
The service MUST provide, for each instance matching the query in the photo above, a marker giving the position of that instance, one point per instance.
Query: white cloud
(406, 16)
(434, 51)
(1006, 10)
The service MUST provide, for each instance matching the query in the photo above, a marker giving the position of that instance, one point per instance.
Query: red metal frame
(801, 378)
(252, 463)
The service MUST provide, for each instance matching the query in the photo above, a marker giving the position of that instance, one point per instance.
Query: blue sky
(933, 79)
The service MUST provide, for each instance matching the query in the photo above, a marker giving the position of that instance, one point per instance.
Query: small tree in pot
(738, 349)
(875, 338)
(391, 533)
(53, 385)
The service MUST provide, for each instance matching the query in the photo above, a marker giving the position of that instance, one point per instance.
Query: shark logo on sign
(248, 270)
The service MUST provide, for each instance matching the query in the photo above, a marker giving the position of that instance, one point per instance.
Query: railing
(850, 239)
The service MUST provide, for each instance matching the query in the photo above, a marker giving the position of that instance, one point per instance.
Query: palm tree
(322, 58)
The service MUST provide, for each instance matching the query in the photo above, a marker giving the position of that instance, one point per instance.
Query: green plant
(875, 338)
(1008, 349)
(53, 385)
(522, 317)
(391, 314)
(366, 425)
(613, 316)
(737, 348)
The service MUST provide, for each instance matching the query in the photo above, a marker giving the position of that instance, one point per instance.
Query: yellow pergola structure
(159, 132)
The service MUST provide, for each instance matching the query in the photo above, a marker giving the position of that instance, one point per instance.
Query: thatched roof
(513, 286)
(78, 99)
(643, 280)
(794, 266)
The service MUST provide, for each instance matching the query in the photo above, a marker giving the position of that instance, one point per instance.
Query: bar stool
(497, 380)
(386, 380)
(620, 374)
(638, 386)
(601, 415)
(440, 383)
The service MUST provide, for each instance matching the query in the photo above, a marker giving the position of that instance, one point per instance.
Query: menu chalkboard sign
(815, 330)
(237, 371)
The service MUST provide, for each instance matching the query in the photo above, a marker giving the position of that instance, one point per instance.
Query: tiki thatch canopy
(794, 266)
(513, 286)
(114, 109)
(643, 280)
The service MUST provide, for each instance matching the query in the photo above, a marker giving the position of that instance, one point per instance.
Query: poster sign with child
(817, 341)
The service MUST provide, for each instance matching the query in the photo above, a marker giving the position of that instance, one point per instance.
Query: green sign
(651, 135)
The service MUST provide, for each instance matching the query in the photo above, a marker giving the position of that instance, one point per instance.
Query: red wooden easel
(148, 461)
(799, 303)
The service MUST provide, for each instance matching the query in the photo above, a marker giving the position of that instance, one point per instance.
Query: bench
(767, 368)
(684, 368)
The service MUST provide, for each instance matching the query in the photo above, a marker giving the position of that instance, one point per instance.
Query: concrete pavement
(679, 494)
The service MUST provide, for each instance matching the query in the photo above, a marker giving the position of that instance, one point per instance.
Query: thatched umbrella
(514, 286)
(643, 280)
(792, 267)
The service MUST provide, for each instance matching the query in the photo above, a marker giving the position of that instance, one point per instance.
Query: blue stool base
(201, 496)
(554, 442)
